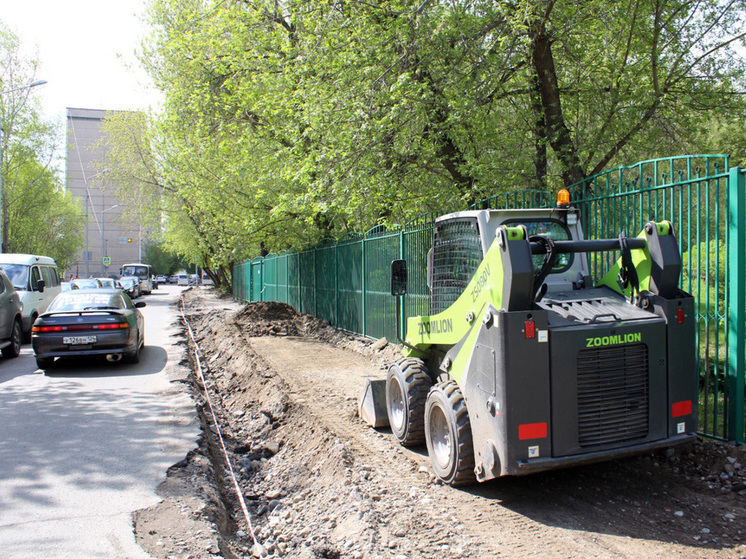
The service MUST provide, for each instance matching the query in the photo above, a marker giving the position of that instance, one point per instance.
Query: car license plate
(78, 340)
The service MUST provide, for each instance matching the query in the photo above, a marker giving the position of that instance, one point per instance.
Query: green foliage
(703, 275)
(287, 123)
(162, 260)
(38, 216)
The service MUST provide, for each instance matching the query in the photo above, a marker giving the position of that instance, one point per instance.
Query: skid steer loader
(525, 364)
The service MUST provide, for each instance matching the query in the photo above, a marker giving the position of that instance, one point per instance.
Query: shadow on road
(152, 361)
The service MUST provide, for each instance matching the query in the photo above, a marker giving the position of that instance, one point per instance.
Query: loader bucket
(372, 407)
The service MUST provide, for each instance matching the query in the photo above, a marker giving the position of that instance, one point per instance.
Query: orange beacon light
(563, 198)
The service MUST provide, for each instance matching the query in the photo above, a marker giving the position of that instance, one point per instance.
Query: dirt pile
(319, 483)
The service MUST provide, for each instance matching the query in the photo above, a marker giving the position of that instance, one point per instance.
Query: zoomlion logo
(436, 327)
(630, 338)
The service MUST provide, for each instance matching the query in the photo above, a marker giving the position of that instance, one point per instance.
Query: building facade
(112, 234)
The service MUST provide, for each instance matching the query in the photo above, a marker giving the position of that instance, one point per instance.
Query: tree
(285, 123)
(162, 260)
(638, 76)
(37, 215)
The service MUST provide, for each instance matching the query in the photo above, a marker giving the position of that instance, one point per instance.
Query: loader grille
(457, 252)
(612, 394)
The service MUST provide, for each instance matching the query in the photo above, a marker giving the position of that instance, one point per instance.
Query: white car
(36, 280)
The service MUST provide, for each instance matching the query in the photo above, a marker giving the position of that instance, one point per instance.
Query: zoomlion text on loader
(527, 363)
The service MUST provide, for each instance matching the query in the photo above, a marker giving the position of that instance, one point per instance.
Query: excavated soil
(318, 482)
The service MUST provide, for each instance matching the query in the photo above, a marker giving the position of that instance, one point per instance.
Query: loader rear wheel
(448, 434)
(407, 385)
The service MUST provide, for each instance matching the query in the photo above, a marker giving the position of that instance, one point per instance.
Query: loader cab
(462, 239)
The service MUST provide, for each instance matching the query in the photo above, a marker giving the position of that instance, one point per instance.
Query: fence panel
(240, 290)
(307, 263)
(350, 285)
(381, 247)
(257, 278)
(325, 266)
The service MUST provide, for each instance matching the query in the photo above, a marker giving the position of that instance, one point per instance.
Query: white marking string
(239, 493)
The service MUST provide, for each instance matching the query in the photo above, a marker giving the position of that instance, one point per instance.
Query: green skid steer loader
(525, 364)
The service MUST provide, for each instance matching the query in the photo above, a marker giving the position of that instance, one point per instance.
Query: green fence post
(363, 287)
(736, 302)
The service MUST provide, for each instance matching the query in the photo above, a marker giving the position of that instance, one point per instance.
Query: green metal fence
(347, 281)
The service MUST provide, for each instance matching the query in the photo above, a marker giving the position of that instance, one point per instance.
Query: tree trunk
(540, 137)
(554, 123)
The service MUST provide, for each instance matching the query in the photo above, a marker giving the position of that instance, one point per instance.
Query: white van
(36, 280)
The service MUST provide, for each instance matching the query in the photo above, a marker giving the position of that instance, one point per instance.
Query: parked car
(86, 283)
(108, 283)
(130, 285)
(183, 279)
(173, 279)
(11, 318)
(84, 322)
(161, 280)
(37, 281)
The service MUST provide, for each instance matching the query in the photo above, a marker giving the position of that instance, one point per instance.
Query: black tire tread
(417, 384)
(44, 362)
(12, 351)
(464, 472)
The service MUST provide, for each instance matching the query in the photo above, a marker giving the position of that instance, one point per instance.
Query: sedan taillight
(74, 327)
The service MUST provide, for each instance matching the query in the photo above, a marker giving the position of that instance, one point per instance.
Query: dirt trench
(320, 483)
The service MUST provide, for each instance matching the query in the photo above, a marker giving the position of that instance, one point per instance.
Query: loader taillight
(680, 315)
(563, 198)
(532, 431)
(530, 329)
(681, 408)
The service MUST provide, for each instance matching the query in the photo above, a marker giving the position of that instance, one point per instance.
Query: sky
(86, 50)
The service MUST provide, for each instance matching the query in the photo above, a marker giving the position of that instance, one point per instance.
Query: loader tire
(407, 385)
(448, 434)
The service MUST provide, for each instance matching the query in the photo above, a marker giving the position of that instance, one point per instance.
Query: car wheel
(44, 362)
(16, 335)
(133, 357)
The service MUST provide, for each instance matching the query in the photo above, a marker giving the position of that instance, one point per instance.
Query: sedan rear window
(71, 301)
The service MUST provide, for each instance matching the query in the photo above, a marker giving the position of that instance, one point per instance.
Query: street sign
(107, 260)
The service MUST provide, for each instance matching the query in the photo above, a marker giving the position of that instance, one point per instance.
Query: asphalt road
(83, 448)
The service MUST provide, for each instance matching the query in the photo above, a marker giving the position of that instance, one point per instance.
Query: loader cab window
(455, 256)
(551, 229)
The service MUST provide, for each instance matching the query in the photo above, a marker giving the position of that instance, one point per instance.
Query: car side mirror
(140, 304)
(398, 277)
(40, 286)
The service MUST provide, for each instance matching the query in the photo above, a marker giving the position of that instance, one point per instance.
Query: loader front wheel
(407, 385)
(448, 434)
